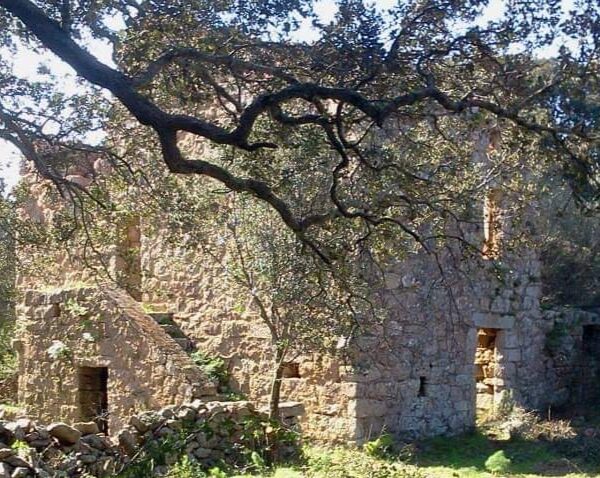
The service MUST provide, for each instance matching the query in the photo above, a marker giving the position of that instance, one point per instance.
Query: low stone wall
(208, 433)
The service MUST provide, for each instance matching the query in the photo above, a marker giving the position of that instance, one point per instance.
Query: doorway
(485, 370)
(590, 363)
(93, 396)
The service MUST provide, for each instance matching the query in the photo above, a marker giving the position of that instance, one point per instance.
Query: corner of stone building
(87, 352)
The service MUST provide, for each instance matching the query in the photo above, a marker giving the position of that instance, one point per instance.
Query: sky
(26, 63)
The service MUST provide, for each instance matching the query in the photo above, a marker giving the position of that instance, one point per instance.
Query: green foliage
(185, 468)
(214, 367)
(262, 444)
(287, 473)
(380, 447)
(71, 306)
(8, 359)
(346, 463)
(150, 308)
(498, 462)
(268, 442)
(153, 454)
(216, 472)
(570, 250)
(257, 461)
(20, 445)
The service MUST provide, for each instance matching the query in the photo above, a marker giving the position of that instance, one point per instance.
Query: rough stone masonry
(422, 371)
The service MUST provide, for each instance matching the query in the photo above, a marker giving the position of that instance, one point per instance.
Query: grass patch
(538, 449)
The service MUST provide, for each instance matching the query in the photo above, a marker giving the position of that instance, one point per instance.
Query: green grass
(542, 449)
(465, 457)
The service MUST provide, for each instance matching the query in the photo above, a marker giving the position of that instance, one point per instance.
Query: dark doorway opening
(591, 340)
(93, 396)
(590, 364)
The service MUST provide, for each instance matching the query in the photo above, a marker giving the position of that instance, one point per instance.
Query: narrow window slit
(422, 387)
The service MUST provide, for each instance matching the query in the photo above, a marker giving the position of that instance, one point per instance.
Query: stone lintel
(493, 321)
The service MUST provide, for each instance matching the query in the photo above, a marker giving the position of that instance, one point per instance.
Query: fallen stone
(127, 441)
(96, 442)
(215, 407)
(39, 444)
(168, 411)
(202, 453)
(165, 432)
(5, 470)
(197, 404)
(16, 461)
(187, 414)
(20, 472)
(87, 428)
(87, 459)
(6, 436)
(140, 425)
(64, 433)
(6, 452)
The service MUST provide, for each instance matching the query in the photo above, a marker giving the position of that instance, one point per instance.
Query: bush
(381, 447)
(213, 367)
(185, 468)
(497, 463)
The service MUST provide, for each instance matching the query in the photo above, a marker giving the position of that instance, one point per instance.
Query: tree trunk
(276, 385)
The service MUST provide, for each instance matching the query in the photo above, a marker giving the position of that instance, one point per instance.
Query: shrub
(213, 367)
(380, 447)
(216, 370)
(497, 463)
(185, 468)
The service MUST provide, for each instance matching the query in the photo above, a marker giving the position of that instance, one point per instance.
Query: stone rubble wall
(414, 377)
(218, 317)
(573, 372)
(210, 433)
(99, 328)
(526, 369)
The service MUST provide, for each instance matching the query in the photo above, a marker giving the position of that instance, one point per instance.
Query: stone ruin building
(93, 350)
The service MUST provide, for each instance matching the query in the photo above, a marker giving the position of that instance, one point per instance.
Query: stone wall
(572, 355)
(65, 333)
(217, 315)
(215, 432)
(413, 374)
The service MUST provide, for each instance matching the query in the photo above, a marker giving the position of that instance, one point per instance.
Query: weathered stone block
(87, 428)
(493, 321)
(362, 408)
(64, 433)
